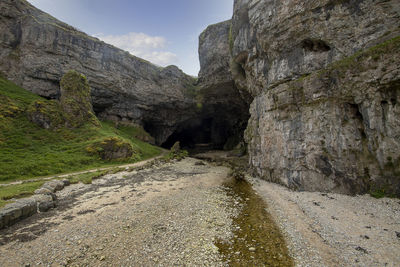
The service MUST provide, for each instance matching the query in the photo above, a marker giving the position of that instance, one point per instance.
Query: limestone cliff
(36, 50)
(221, 100)
(325, 81)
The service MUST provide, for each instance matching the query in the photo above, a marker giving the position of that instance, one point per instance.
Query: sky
(165, 32)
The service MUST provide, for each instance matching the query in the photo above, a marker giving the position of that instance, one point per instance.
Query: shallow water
(257, 240)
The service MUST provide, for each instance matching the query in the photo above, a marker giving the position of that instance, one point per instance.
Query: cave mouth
(201, 135)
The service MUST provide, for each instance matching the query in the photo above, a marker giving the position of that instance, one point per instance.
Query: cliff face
(324, 115)
(36, 50)
(221, 100)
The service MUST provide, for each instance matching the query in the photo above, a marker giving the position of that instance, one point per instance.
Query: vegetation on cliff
(28, 150)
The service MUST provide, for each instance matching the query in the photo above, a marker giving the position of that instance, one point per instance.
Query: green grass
(27, 151)
(18, 191)
(86, 178)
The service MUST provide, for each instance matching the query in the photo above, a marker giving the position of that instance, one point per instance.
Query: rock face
(220, 100)
(36, 50)
(324, 116)
(277, 41)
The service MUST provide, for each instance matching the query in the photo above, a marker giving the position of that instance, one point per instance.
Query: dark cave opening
(200, 134)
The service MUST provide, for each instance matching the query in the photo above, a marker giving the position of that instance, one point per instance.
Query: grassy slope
(27, 150)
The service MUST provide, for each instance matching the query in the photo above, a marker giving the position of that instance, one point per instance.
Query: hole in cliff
(237, 71)
(201, 135)
(315, 45)
(359, 117)
(99, 109)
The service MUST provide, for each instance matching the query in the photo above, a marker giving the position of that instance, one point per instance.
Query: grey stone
(66, 182)
(43, 191)
(54, 185)
(44, 202)
(17, 211)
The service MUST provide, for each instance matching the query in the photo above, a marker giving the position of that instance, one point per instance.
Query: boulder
(53, 186)
(111, 148)
(15, 212)
(44, 202)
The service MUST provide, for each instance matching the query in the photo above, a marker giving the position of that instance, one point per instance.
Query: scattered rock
(361, 249)
(398, 234)
(66, 182)
(252, 249)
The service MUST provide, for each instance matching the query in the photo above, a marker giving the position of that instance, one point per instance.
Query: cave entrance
(200, 135)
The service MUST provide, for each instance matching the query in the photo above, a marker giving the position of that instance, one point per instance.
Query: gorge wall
(324, 77)
(36, 50)
(316, 83)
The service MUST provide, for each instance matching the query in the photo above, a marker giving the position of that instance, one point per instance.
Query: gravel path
(335, 230)
(166, 215)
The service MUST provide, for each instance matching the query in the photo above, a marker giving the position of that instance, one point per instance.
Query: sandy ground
(335, 230)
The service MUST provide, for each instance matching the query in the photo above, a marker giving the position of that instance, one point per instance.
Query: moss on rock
(75, 100)
(8, 108)
(111, 148)
(46, 114)
(176, 152)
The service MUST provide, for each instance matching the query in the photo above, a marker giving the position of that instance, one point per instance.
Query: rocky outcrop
(111, 148)
(36, 50)
(73, 110)
(218, 95)
(46, 114)
(324, 115)
(75, 100)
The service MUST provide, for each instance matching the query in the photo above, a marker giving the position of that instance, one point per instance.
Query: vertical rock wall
(324, 115)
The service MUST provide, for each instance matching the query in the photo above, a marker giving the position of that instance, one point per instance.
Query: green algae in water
(257, 230)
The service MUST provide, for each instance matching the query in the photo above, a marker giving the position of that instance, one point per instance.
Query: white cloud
(143, 46)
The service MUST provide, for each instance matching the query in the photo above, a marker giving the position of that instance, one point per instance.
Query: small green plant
(176, 153)
(379, 193)
(231, 41)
